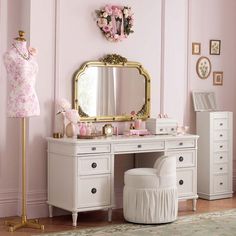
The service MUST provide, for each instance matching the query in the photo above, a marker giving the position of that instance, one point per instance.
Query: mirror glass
(108, 92)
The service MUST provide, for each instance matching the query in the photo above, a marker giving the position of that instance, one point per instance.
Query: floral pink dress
(22, 99)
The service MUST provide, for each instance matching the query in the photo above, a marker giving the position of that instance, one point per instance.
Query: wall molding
(10, 203)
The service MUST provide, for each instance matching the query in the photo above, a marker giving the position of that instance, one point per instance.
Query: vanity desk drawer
(90, 149)
(94, 164)
(185, 182)
(138, 146)
(94, 191)
(184, 159)
(172, 144)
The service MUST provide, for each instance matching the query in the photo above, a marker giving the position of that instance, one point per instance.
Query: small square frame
(215, 47)
(196, 48)
(217, 78)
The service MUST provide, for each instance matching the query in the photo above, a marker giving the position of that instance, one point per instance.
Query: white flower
(105, 15)
(102, 22)
(63, 105)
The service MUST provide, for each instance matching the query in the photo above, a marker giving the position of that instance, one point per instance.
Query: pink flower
(72, 115)
(108, 9)
(107, 28)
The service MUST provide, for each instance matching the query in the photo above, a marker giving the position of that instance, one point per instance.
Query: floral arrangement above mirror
(115, 22)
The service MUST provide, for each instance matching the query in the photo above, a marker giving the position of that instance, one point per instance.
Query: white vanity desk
(81, 171)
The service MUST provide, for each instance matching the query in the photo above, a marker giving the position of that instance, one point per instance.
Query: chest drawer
(221, 183)
(221, 157)
(220, 146)
(94, 191)
(184, 159)
(96, 148)
(221, 135)
(220, 168)
(221, 124)
(138, 146)
(180, 144)
(94, 164)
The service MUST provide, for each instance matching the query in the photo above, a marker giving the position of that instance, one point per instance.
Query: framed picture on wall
(215, 47)
(217, 78)
(196, 48)
(203, 67)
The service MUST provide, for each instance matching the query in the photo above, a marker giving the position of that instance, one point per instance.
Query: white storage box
(161, 125)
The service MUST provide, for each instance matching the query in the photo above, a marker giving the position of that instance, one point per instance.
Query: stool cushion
(141, 178)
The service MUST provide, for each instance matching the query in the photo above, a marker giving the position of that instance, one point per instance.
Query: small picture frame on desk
(217, 78)
(215, 46)
(196, 48)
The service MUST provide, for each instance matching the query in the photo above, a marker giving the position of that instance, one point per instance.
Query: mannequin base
(23, 224)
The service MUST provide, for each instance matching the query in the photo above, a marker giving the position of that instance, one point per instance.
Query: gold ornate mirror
(110, 89)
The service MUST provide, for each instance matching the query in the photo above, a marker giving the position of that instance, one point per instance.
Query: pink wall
(67, 36)
(215, 21)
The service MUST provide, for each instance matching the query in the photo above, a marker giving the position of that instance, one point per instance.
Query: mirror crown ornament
(113, 59)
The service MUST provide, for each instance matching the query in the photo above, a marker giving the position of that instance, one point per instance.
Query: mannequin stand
(24, 222)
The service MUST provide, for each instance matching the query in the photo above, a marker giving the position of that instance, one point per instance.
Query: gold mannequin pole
(24, 222)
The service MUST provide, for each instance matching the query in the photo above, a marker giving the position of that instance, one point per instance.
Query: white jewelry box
(161, 125)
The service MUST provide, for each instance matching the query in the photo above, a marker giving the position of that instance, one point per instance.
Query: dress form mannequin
(21, 68)
(22, 103)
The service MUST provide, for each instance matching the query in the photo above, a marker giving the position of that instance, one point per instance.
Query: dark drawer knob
(221, 124)
(181, 158)
(139, 146)
(221, 183)
(161, 129)
(221, 168)
(94, 165)
(221, 146)
(181, 182)
(221, 135)
(221, 157)
(93, 190)
(181, 144)
(172, 129)
(93, 148)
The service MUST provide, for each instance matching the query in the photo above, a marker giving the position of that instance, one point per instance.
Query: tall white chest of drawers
(215, 162)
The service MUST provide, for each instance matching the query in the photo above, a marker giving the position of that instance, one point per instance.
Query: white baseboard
(10, 203)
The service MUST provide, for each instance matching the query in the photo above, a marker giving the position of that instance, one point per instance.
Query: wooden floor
(99, 218)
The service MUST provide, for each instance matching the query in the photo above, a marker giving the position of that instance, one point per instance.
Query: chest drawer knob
(139, 146)
(94, 165)
(181, 158)
(221, 168)
(221, 124)
(221, 146)
(221, 157)
(181, 182)
(93, 148)
(221, 135)
(93, 190)
(221, 183)
(181, 144)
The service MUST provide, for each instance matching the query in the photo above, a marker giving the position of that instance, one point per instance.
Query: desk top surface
(123, 138)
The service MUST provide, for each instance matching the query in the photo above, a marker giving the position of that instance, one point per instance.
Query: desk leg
(50, 207)
(109, 214)
(74, 218)
(194, 204)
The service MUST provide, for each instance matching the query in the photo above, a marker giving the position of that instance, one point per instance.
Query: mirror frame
(112, 60)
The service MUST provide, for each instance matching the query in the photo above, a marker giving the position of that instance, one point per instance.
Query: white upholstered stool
(150, 194)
